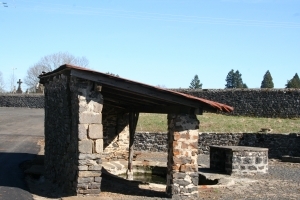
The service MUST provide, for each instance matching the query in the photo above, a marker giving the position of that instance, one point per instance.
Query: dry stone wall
(278, 144)
(282, 103)
(22, 100)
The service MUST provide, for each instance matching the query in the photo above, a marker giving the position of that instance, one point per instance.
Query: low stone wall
(278, 144)
(22, 100)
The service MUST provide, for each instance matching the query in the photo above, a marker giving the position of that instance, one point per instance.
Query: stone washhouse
(91, 117)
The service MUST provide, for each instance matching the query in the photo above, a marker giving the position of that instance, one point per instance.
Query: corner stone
(96, 131)
(85, 146)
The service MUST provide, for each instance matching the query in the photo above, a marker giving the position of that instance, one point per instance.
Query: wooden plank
(133, 119)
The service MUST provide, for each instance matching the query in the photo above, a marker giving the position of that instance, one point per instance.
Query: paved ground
(20, 129)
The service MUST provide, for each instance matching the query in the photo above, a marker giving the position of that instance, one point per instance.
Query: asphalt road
(20, 130)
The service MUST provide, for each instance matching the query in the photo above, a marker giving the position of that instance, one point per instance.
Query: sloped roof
(132, 95)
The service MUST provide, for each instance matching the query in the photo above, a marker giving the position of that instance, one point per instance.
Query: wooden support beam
(133, 119)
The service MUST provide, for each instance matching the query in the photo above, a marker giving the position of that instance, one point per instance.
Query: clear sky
(157, 42)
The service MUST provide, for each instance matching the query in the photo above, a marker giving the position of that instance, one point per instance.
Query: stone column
(90, 137)
(182, 177)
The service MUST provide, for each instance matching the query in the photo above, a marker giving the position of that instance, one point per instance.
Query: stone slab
(240, 148)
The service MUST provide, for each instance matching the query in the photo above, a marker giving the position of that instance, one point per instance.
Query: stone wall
(282, 103)
(115, 134)
(22, 100)
(278, 144)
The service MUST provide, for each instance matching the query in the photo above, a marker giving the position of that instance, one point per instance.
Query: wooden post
(133, 118)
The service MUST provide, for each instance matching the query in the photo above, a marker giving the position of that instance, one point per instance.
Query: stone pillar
(182, 177)
(90, 135)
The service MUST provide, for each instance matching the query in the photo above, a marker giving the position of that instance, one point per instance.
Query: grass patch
(211, 122)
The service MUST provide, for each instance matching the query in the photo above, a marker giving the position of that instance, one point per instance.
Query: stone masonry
(73, 135)
(87, 104)
(115, 134)
(239, 159)
(61, 149)
(182, 175)
(265, 102)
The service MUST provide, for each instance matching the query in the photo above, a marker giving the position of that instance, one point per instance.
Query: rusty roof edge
(213, 104)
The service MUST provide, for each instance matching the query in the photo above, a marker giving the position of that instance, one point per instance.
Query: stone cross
(19, 87)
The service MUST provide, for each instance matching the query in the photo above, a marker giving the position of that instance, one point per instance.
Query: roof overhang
(134, 96)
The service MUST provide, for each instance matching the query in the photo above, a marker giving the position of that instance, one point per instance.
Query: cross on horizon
(19, 82)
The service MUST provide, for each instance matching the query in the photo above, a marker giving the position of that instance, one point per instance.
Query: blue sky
(157, 42)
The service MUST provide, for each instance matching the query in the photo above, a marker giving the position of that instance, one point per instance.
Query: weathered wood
(133, 118)
(141, 89)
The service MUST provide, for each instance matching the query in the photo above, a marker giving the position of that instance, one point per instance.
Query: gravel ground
(282, 182)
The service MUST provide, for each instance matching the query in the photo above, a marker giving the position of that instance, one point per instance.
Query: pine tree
(234, 80)
(230, 80)
(267, 82)
(294, 82)
(238, 79)
(195, 83)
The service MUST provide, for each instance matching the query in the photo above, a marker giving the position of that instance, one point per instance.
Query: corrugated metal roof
(212, 104)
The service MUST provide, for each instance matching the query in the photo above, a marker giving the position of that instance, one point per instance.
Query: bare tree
(49, 63)
(2, 85)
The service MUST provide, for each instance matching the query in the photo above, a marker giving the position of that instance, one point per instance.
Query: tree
(234, 80)
(195, 83)
(267, 82)
(230, 79)
(294, 82)
(245, 85)
(238, 80)
(2, 85)
(49, 63)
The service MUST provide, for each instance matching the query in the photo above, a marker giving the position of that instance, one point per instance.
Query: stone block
(95, 167)
(85, 146)
(94, 185)
(99, 146)
(176, 136)
(85, 179)
(252, 167)
(83, 168)
(83, 186)
(97, 107)
(258, 160)
(89, 173)
(98, 179)
(96, 131)
(90, 118)
(89, 191)
(82, 131)
(89, 156)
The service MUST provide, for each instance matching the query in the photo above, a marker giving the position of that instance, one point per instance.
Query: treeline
(234, 80)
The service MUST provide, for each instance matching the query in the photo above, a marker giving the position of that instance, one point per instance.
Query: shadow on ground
(12, 184)
(38, 185)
